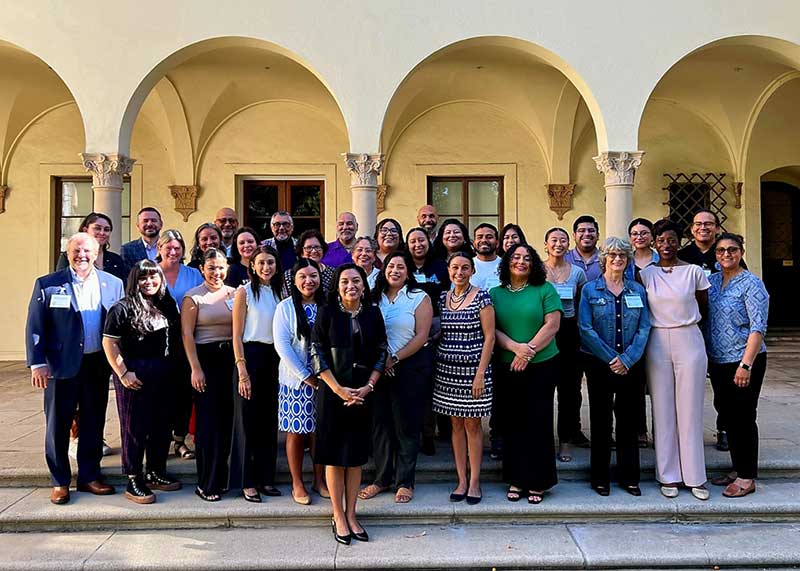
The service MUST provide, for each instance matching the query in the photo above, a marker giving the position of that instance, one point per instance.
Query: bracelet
(245, 379)
(123, 374)
(371, 386)
(240, 360)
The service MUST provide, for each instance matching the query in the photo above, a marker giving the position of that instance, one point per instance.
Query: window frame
(465, 180)
(285, 186)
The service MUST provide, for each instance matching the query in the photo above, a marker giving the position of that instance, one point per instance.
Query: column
(364, 170)
(107, 174)
(619, 169)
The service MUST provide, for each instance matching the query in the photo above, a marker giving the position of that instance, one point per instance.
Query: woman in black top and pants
(348, 353)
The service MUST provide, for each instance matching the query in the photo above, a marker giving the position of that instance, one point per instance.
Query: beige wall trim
(507, 170)
(236, 173)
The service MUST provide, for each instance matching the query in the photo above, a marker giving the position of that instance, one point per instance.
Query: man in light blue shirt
(586, 232)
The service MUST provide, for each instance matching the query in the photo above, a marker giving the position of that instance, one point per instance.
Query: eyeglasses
(309, 249)
(281, 224)
(704, 224)
(730, 250)
(388, 231)
(641, 234)
(227, 220)
(613, 255)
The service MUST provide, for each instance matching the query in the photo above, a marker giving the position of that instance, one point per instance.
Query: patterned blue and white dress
(297, 409)
(457, 359)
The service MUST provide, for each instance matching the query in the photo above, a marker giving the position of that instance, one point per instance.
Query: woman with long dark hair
(401, 396)
(348, 353)
(389, 235)
(297, 410)
(208, 235)
(99, 226)
(140, 340)
(528, 314)
(453, 237)
(510, 234)
(255, 405)
(243, 247)
(207, 329)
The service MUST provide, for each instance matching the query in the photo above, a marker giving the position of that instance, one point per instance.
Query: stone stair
(784, 341)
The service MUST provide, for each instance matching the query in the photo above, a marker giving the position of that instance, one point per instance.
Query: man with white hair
(63, 339)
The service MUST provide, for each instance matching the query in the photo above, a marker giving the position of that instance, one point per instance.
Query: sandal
(735, 490)
(371, 491)
(403, 495)
(564, 453)
(207, 497)
(725, 480)
(182, 451)
(535, 497)
(513, 494)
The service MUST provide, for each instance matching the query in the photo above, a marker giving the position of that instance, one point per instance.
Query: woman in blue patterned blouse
(737, 324)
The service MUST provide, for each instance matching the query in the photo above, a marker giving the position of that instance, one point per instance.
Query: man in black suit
(148, 222)
(63, 339)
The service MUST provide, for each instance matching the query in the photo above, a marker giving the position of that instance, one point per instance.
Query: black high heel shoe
(343, 539)
(362, 536)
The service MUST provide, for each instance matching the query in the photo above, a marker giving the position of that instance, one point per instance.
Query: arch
(149, 81)
(538, 52)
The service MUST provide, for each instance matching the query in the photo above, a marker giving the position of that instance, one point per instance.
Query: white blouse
(259, 316)
(398, 315)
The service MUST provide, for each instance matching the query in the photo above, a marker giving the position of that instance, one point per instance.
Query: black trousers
(181, 397)
(214, 417)
(89, 391)
(612, 396)
(255, 422)
(569, 382)
(144, 416)
(529, 460)
(397, 421)
(739, 409)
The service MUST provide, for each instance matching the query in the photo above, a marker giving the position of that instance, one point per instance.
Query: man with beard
(148, 222)
(428, 218)
(282, 227)
(228, 223)
(700, 252)
(487, 262)
(340, 251)
(586, 232)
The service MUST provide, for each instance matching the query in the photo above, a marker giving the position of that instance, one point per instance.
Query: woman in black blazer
(99, 226)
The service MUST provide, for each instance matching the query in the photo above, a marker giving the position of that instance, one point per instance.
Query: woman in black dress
(140, 341)
(348, 353)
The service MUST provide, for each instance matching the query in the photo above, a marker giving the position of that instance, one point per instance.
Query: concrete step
(29, 509)
(571, 546)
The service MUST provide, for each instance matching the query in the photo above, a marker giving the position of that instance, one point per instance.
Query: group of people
(363, 346)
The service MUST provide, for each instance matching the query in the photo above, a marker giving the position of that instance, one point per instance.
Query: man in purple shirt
(586, 232)
(340, 250)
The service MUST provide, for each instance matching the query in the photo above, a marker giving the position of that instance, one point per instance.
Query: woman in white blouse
(291, 330)
(401, 396)
(255, 408)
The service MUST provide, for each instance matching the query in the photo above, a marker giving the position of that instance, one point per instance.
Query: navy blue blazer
(131, 253)
(54, 336)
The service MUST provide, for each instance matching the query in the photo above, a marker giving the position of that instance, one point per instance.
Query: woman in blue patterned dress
(738, 306)
(294, 318)
(463, 386)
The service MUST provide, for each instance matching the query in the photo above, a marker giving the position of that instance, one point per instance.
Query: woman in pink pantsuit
(677, 293)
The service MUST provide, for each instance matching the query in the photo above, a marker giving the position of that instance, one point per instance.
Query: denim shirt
(597, 321)
(734, 312)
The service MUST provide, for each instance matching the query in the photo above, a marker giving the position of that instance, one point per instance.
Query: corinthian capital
(363, 168)
(107, 170)
(619, 167)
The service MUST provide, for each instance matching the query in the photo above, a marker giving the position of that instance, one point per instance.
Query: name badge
(60, 301)
(420, 277)
(707, 272)
(229, 303)
(565, 291)
(633, 301)
(491, 282)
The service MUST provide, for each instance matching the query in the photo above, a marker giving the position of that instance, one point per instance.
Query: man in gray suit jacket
(64, 352)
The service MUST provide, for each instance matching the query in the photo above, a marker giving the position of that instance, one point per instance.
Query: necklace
(516, 289)
(667, 269)
(558, 274)
(354, 313)
(456, 301)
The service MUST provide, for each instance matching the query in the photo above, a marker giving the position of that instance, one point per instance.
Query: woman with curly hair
(528, 314)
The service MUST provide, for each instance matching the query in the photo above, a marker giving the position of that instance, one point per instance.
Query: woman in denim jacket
(614, 324)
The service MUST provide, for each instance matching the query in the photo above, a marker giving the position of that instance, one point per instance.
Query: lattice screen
(690, 193)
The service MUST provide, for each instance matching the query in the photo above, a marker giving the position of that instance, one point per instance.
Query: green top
(520, 315)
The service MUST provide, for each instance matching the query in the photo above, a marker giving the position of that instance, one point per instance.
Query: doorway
(303, 199)
(780, 203)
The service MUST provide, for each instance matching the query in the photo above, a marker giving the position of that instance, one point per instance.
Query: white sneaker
(106, 448)
(73, 448)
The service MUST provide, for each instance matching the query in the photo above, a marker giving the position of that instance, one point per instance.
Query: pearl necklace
(353, 314)
(456, 301)
(516, 289)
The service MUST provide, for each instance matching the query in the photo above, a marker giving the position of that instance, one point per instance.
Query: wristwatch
(744, 366)
(395, 358)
